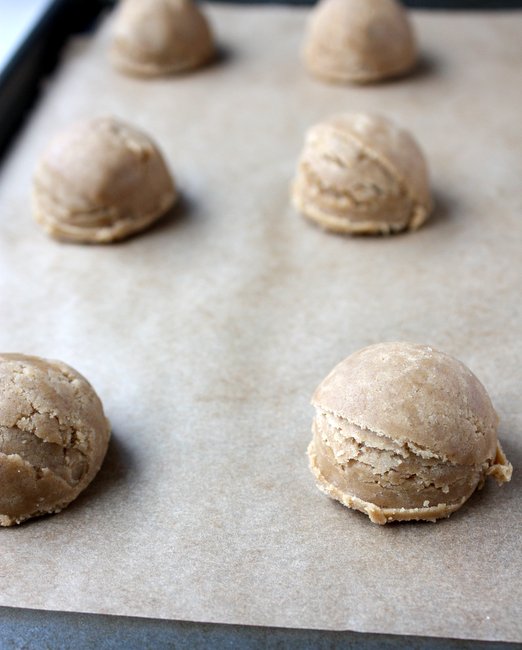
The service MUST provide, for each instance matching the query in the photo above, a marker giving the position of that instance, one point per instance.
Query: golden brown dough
(160, 37)
(403, 432)
(359, 173)
(53, 436)
(100, 181)
(359, 41)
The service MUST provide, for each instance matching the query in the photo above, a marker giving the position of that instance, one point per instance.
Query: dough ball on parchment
(99, 181)
(360, 173)
(403, 432)
(359, 41)
(160, 37)
(53, 436)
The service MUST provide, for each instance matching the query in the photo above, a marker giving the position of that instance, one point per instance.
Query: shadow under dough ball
(359, 173)
(359, 41)
(160, 37)
(53, 436)
(100, 181)
(404, 432)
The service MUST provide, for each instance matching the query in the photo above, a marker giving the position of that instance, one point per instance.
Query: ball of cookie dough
(359, 41)
(53, 436)
(360, 173)
(402, 431)
(160, 37)
(100, 181)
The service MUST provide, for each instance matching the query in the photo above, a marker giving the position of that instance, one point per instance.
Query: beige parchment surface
(206, 336)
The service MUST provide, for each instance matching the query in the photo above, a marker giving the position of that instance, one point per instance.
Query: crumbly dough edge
(151, 70)
(121, 229)
(500, 469)
(362, 79)
(345, 226)
(377, 514)
(7, 520)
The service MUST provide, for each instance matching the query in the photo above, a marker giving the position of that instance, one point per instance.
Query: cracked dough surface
(402, 432)
(53, 436)
(100, 181)
(360, 173)
(160, 37)
(359, 41)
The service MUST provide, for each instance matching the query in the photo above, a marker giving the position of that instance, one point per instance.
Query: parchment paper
(206, 336)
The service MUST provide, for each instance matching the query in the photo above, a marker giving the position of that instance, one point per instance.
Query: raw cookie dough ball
(53, 436)
(359, 41)
(160, 37)
(403, 432)
(360, 173)
(99, 181)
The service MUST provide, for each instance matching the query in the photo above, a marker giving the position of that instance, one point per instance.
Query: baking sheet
(206, 336)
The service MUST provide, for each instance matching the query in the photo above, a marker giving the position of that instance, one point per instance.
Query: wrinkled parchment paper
(206, 336)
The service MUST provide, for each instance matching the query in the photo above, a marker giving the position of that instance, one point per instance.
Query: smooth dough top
(413, 393)
(359, 40)
(101, 180)
(160, 37)
(53, 436)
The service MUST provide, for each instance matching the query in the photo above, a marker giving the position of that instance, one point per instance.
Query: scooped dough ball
(100, 181)
(360, 173)
(359, 41)
(53, 436)
(403, 432)
(160, 37)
